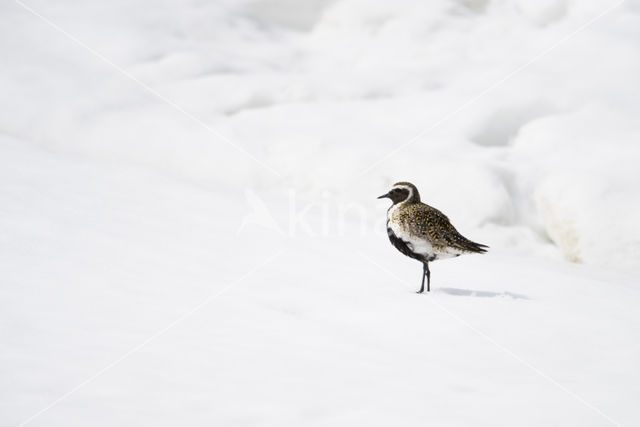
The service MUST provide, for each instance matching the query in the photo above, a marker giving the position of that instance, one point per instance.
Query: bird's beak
(383, 196)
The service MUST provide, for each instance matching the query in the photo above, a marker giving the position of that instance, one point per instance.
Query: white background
(189, 230)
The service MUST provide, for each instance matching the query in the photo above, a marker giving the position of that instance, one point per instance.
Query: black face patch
(398, 195)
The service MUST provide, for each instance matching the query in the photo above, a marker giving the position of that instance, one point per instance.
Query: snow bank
(320, 92)
(584, 180)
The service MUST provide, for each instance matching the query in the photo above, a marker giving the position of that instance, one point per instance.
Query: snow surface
(189, 232)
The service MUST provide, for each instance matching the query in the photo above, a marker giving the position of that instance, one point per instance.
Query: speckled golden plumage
(426, 222)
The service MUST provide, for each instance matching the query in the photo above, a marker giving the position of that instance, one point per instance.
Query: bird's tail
(474, 247)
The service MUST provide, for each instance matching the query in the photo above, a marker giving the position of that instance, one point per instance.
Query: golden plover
(422, 232)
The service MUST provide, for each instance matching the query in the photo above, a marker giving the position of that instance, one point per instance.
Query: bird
(422, 232)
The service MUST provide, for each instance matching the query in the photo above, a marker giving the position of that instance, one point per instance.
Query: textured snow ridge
(319, 91)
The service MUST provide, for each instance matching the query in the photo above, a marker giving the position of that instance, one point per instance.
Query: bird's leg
(427, 273)
(424, 274)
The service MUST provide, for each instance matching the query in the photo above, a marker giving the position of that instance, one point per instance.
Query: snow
(189, 230)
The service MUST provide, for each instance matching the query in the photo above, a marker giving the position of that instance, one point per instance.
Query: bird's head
(402, 192)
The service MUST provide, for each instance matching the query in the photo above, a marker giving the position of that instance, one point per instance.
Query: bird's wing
(434, 225)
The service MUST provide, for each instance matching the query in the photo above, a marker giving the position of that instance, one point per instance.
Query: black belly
(403, 247)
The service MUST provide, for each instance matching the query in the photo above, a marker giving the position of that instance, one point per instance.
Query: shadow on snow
(485, 294)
